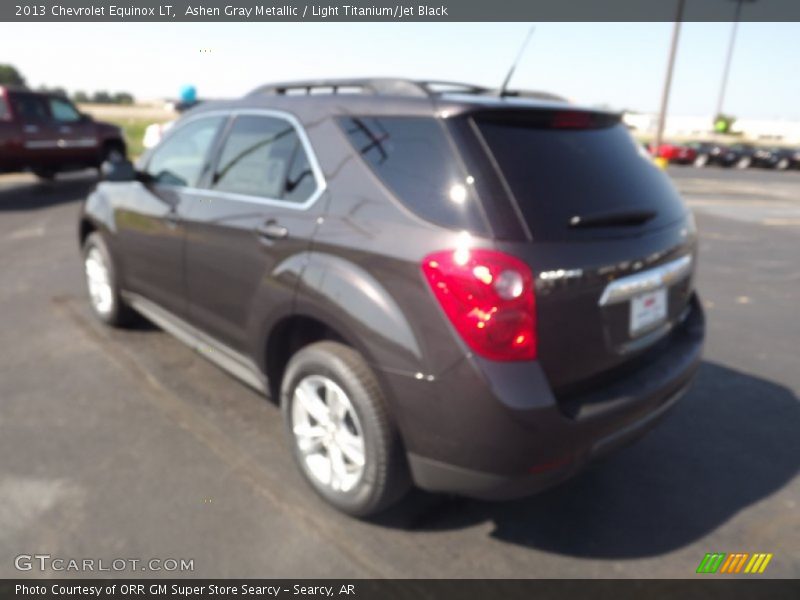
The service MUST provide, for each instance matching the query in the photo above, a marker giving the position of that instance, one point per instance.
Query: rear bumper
(509, 436)
(437, 476)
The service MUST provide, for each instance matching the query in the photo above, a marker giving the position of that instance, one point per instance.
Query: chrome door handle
(30, 129)
(273, 231)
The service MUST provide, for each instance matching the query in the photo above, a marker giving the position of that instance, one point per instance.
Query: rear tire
(45, 174)
(782, 164)
(101, 283)
(338, 425)
(744, 162)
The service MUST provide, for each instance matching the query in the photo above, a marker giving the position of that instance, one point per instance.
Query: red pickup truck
(46, 134)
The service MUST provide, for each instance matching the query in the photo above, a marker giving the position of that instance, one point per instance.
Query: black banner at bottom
(401, 589)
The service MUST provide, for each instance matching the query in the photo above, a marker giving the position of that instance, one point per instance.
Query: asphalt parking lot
(128, 444)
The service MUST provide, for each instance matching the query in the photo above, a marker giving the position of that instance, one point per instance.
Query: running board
(231, 361)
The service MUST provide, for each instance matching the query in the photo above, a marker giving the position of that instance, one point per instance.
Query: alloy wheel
(98, 280)
(328, 433)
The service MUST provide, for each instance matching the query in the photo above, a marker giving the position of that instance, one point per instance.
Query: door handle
(273, 231)
(30, 129)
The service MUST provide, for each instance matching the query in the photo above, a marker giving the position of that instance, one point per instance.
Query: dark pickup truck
(46, 134)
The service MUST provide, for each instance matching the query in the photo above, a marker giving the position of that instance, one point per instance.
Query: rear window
(578, 170)
(414, 159)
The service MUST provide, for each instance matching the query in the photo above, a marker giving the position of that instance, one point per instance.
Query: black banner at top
(393, 10)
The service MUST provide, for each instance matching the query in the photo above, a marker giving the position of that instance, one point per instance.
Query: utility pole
(662, 115)
(726, 71)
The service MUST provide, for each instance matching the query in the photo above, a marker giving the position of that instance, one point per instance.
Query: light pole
(728, 58)
(662, 114)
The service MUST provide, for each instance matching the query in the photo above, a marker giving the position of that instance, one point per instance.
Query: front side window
(263, 156)
(63, 111)
(180, 159)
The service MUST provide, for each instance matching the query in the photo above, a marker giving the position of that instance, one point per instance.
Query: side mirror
(118, 170)
(85, 117)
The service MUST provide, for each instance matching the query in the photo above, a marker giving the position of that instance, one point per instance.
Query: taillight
(488, 297)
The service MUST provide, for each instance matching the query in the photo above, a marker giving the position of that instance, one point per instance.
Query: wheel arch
(338, 300)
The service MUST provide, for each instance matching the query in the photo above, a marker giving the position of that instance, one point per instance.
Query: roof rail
(377, 86)
(391, 87)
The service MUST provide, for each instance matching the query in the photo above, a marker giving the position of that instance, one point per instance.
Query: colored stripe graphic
(711, 562)
(758, 564)
(734, 563)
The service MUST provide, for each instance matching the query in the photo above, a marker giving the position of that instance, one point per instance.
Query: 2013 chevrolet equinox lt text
(442, 286)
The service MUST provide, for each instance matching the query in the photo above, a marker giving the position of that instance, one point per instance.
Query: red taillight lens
(488, 297)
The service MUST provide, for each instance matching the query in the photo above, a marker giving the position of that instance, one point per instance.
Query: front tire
(101, 283)
(112, 152)
(339, 427)
(782, 164)
(45, 174)
(744, 162)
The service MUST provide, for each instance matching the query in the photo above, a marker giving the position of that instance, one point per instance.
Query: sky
(617, 65)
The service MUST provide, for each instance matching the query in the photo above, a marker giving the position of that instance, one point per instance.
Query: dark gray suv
(443, 286)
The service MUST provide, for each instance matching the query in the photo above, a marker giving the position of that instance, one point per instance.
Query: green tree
(10, 76)
(80, 97)
(123, 98)
(102, 98)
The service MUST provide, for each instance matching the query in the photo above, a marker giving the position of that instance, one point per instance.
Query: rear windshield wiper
(621, 218)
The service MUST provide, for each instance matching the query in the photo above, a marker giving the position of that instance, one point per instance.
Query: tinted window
(180, 158)
(263, 156)
(28, 107)
(61, 110)
(416, 162)
(5, 114)
(300, 183)
(557, 174)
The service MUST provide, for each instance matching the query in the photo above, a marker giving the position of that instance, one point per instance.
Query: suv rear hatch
(611, 243)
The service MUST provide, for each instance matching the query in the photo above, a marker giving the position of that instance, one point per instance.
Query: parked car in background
(777, 158)
(46, 134)
(154, 132)
(389, 265)
(711, 153)
(745, 155)
(681, 154)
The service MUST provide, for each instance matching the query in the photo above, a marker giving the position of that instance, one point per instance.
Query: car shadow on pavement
(33, 195)
(732, 441)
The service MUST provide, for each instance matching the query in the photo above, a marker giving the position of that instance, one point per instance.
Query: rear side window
(414, 159)
(264, 157)
(29, 107)
(558, 173)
